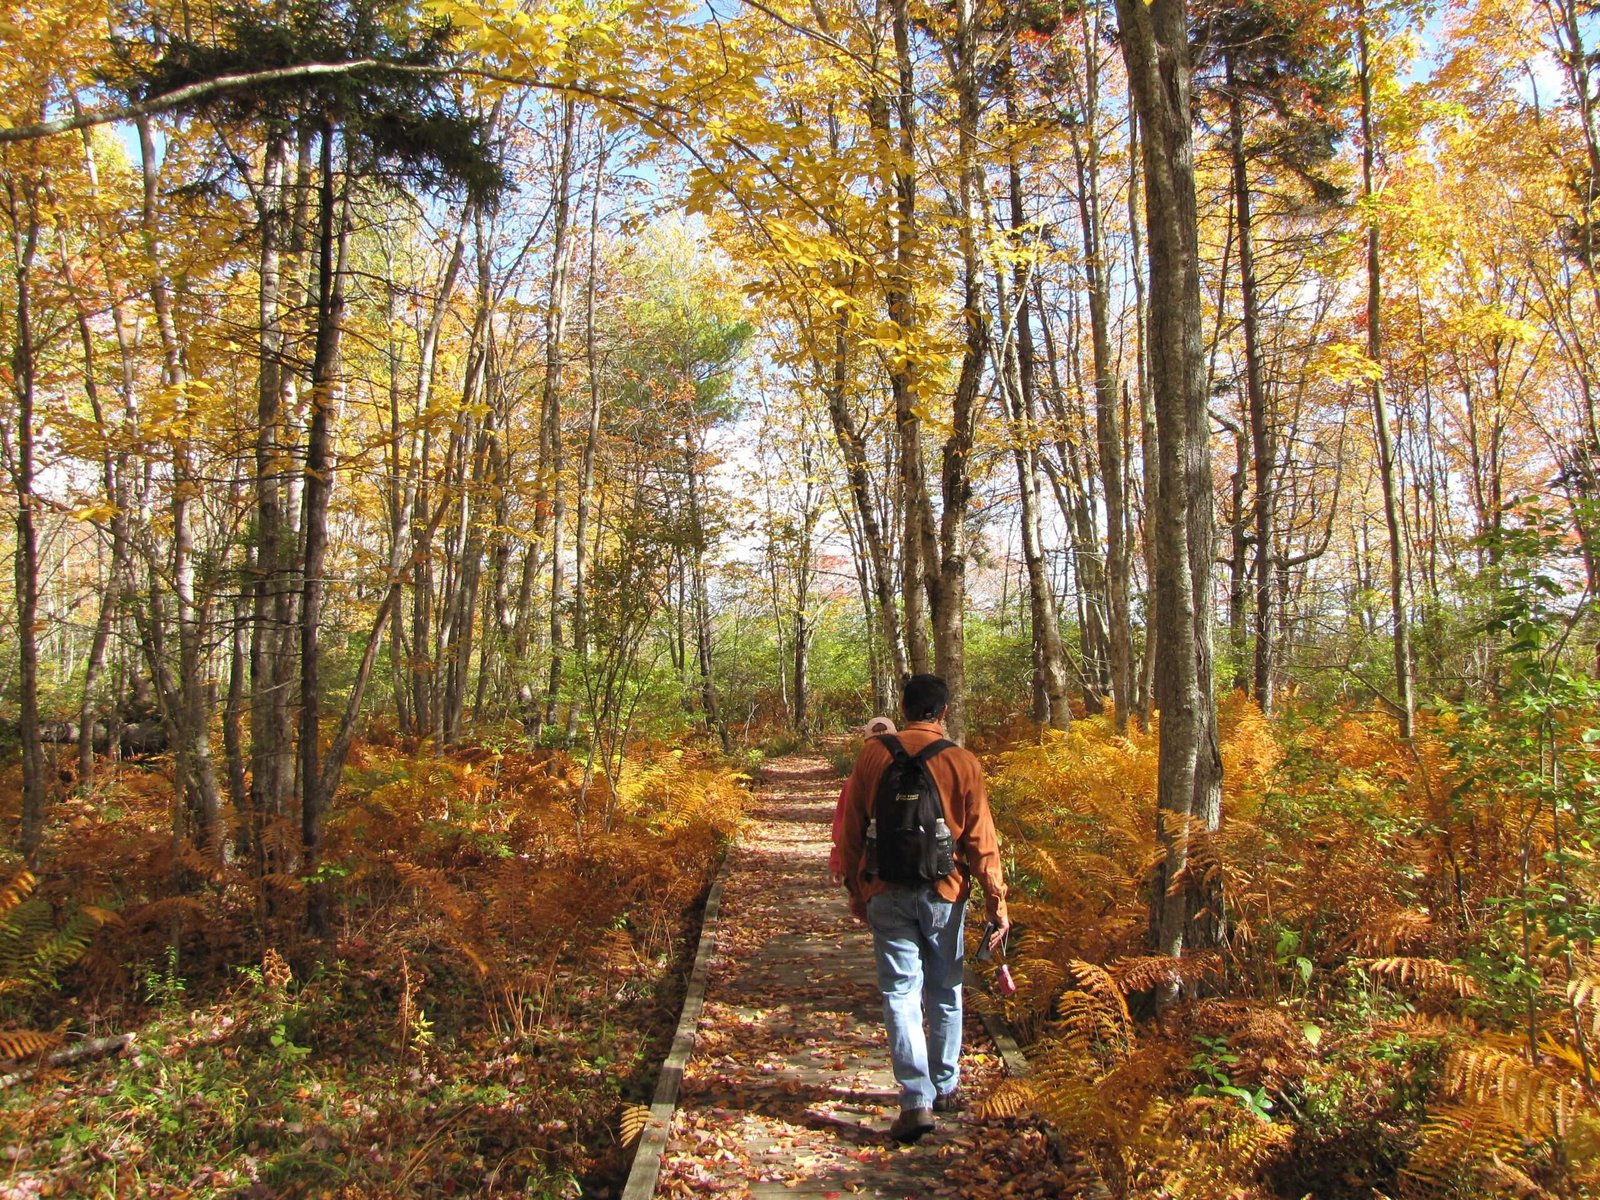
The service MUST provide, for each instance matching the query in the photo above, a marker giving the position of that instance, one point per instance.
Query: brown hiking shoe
(911, 1124)
(950, 1102)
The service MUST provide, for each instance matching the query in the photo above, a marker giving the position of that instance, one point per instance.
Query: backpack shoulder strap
(933, 748)
(893, 746)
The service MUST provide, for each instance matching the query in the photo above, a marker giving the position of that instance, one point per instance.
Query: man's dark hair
(925, 697)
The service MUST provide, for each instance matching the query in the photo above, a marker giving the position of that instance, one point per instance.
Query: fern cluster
(1363, 883)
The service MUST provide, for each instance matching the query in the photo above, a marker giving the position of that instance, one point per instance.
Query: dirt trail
(789, 1091)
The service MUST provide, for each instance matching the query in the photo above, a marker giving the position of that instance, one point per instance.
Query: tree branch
(179, 97)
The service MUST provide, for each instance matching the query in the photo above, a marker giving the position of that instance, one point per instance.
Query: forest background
(450, 443)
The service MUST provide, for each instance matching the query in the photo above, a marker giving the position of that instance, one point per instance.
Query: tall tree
(1155, 46)
(1383, 429)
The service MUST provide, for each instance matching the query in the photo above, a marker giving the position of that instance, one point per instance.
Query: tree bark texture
(1155, 47)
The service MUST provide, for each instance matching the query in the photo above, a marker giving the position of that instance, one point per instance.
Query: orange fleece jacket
(959, 775)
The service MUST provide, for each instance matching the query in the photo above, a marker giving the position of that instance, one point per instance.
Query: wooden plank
(646, 1166)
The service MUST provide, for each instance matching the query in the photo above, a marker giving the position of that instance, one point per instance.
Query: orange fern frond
(1485, 1075)
(1010, 1099)
(25, 1043)
(1146, 972)
(635, 1118)
(17, 889)
(1096, 981)
(1391, 932)
(1429, 973)
(164, 909)
(1583, 992)
(1459, 1147)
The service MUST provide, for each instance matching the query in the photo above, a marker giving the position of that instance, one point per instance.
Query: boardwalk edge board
(1004, 1040)
(646, 1167)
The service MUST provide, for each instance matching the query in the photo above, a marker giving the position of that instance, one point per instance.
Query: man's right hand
(997, 939)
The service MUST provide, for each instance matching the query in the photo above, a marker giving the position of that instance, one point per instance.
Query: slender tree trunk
(332, 240)
(591, 441)
(424, 675)
(1263, 447)
(701, 600)
(1149, 441)
(272, 663)
(551, 466)
(916, 509)
(1016, 369)
(948, 589)
(1049, 659)
(1388, 468)
(112, 467)
(187, 702)
(24, 220)
(853, 448)
(1107, 388)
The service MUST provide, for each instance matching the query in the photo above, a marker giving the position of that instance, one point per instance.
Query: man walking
(909, 877)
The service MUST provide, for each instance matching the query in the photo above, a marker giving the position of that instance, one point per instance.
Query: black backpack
(908, 840)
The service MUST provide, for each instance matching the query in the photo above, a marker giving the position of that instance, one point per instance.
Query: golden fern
(635, 1119)
(1219, 1147)
(1391, 932)
(17, 890)
(1011, 1099)
(1252, 1145)
(1441, 1027)
(158, 912)
(24, 1043)
(1146, 972)
(1583, 992)
(1428, 973)
(1085, 1026)
(1484, 1075)
(35, 947)
(460, 911)
(1461, 1150)
(1112, 1019)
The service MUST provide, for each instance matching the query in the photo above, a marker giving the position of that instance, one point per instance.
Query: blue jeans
(917, 941)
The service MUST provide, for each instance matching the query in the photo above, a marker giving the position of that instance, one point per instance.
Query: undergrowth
(502, 982)
(1405, 1000)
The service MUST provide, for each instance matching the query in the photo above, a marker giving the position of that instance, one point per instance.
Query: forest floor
(789, 1091)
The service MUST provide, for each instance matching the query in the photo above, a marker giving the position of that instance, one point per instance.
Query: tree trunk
(916, 508)
(1149, 442)
(24, 249)
(701, 600)
(424, 676)
(113, 467)
(853, 448)
(1388, 470)
(1016, 370)
(272, 589)
(187, 702)
(550, 467)
(580, 533)
(1107, 389)
(1263, 448)
(332, 241)
(948, 589)
(1155, 47)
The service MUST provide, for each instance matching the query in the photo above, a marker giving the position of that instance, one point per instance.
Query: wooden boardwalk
(788, 1091)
